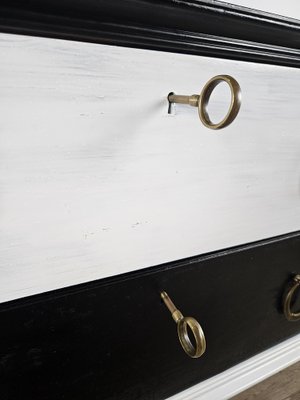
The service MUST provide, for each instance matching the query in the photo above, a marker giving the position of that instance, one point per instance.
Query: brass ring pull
(201, 101)
(182, 324)
(291, 316)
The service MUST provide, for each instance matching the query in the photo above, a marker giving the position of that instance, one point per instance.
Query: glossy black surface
(115, 339)
(194, 27)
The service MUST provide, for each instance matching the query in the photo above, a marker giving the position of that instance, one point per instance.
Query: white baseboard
(246, 374)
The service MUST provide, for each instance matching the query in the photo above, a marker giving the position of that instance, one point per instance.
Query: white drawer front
(97, 179)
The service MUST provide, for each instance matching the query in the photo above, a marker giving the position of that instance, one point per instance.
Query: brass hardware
(182, 324)
(291, 316)
(201, 101)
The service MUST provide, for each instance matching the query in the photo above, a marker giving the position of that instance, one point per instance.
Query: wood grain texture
(283, 386)
(97, 179)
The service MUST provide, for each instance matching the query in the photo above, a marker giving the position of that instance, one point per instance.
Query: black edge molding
(209, 28)
(115, 339)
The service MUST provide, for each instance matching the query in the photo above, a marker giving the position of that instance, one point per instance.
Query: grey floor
(283, 386)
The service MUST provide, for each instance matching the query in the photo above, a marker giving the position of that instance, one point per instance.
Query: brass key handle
(182, 324)
(201, 101)
(289, 314)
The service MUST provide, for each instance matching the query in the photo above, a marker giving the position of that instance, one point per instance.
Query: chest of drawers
(114, 338)
(112, 195)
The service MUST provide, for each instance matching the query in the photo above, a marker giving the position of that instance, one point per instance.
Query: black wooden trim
(207, 28)
(114, 339)
(142, 273)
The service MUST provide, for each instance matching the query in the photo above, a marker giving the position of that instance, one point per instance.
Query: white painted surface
(97, 179)
(290, 8)
(246, 374)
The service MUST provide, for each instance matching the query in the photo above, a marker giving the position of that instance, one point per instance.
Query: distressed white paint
(290, 8)
(246, 374)
(97, 179)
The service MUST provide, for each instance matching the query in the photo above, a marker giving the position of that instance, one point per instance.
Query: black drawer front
(115, 339)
